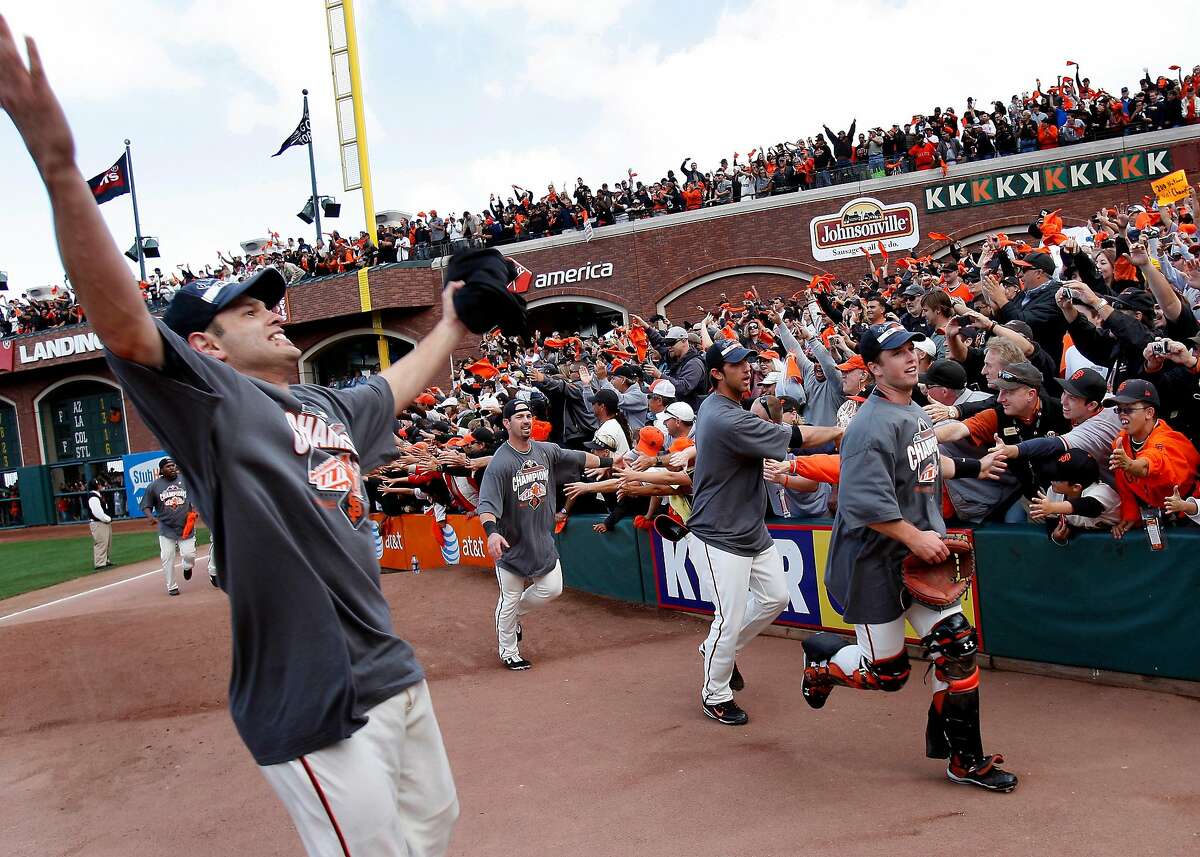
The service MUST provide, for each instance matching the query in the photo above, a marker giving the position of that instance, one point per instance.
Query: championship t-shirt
(890, 470)
(519, 489)
(729, 494)
(167, 500)
(277, 474)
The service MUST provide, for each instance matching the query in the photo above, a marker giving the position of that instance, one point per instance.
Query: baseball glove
(941, 585)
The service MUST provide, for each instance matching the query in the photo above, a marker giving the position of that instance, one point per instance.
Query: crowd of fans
(1073, 359)
(1070, 111)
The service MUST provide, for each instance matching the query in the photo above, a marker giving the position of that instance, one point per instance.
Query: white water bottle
(416, 565)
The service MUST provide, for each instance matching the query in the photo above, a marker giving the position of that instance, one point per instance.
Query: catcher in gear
(890, 560)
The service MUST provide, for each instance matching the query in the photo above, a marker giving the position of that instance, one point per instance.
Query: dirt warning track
(114, 740)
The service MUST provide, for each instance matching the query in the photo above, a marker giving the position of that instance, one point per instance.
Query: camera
(1071, 294)
(1159, 347)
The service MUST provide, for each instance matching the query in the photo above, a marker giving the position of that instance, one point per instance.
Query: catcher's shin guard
(952, 645)
(936, 745)
(820, 673)
(816, 685)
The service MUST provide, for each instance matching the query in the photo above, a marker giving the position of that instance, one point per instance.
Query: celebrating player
(516, 508)
(167, 505)
(729, 544)
(329, 701)
(889, 506)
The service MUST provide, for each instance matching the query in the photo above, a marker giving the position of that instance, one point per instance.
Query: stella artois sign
(863, 223)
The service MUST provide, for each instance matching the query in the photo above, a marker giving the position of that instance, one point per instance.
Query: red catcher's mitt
(941, 585)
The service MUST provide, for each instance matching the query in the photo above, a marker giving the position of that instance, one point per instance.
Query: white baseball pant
(386, 791)
(166, 554)
(886, 640)
(749, 592)
(516, 600)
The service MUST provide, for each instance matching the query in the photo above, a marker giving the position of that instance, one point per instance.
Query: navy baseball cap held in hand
(486, 302)
(196, 304)
(884, 337)
(725, 351)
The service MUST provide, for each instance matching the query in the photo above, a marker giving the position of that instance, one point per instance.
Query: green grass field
(29, 565)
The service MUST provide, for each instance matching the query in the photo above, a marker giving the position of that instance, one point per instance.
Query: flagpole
(137, 223)
(312, 170)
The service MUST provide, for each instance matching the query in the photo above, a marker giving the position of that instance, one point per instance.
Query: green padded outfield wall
(1097, 603)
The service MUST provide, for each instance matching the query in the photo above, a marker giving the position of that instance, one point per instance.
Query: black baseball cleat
(816, 684)
(172, 592)
(729, 713)
(516, 663)
(187, 573)
(736, 682)
(986, 775)
(212, 578)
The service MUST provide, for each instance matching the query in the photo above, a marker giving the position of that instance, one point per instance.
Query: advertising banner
(141, 469)
(458, 541)
(1049, 179)
(864, 224)
(804, 549)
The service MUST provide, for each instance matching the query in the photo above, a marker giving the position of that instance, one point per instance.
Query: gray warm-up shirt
(729, 495)
(167, 500)
(519, 489)
(823, 397)
(277, 473)
(891, 470)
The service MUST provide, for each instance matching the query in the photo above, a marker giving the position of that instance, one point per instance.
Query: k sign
(1049, 179)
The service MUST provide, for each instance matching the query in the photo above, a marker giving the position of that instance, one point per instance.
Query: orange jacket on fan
(1173, 461)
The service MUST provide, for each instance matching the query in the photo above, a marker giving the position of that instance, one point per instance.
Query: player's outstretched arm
(102, 282)
(412, 373)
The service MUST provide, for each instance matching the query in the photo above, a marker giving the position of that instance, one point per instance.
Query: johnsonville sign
(1049, 179)
(862, 224)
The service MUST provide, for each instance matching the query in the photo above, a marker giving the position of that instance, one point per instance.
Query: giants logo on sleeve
(530, 484)
(332, 461)
(923, 457)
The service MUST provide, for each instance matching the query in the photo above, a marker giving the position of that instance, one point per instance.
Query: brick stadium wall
(729, 250)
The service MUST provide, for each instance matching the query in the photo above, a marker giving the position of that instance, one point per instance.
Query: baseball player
(516, 508)
(330, 702)
(729, 544)
(167, 506)
(890, 506)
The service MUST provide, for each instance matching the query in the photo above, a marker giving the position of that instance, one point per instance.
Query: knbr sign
(862, 224)
(804, 549)
(1049, 179)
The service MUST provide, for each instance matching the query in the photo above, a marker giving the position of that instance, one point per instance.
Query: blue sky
(466, 97)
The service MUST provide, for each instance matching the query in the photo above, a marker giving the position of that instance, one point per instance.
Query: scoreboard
(88, 426)
(10, 445)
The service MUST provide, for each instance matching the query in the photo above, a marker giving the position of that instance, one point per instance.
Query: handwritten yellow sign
(1171, 188)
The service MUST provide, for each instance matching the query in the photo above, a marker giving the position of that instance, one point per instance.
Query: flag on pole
(112, 182)
(300, 137)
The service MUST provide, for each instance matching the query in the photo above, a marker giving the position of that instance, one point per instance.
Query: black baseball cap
(1076, 467)
(1023, 374)
(628, 370)
(1087, 384)
(913, 291)
(516, 406)
(1039, 259)
(1135, 300)
(1133, 391)
(725, 351)
(607, 397)
(196, 304)
(945, 373)
(884, 337)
